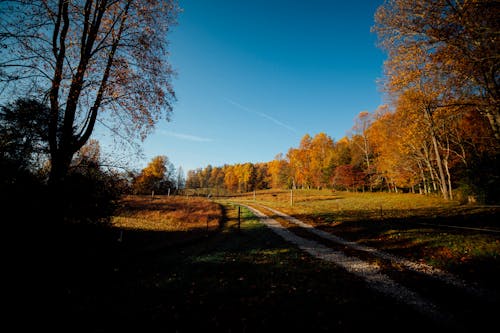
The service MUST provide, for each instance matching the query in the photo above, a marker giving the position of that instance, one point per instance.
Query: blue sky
(255, 76)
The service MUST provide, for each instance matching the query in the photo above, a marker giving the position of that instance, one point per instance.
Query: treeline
(379, 156)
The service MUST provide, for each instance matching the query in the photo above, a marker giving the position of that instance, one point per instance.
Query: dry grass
(351, 206)
(167, 213)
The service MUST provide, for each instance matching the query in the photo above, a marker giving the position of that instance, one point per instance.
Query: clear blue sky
(255, 76)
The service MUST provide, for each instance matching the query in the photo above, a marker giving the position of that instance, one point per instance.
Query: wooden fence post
(239, 218)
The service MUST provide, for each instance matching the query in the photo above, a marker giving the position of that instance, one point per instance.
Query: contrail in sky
(262, 114)
(186, 136)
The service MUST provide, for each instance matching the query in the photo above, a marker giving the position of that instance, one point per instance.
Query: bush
(88, 195)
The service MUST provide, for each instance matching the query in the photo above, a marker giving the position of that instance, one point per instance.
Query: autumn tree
(262, 176)
(424, 76)
(279, 172)
(320, 156)
(158, 176)
(460, 41)
(93, 60)
(362, 142)
(398, 145)
(342, 153)
(300, 163)
(230, 178)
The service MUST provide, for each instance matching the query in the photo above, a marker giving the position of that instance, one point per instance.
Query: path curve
(369, 272)
(418, 267)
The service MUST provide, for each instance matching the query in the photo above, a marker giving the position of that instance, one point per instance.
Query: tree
(361, 141)
(443, 60)
(180, 180)
(279, 172)
(157, 176)
(321, 157)
(23, 134)
(88, 156)
(93, 60)
(347, 176)
(460, 40)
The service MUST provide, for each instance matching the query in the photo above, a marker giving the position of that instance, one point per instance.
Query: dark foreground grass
(231, 280)
(245, 280)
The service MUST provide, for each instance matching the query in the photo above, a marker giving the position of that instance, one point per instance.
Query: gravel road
(370, 272)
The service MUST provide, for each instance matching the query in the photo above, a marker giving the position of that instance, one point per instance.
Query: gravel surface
(418, 267)
(369, 272)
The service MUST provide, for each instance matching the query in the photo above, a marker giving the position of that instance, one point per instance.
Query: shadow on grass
(428, 235)
(244, 280)
(231, 281)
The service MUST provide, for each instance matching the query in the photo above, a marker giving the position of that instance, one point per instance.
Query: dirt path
(418, 267)
(371, 273)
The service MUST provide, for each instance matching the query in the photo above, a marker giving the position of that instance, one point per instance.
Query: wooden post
(291, 197)
(239, 218)
(152, 194)
(254, 195)
(168, 193)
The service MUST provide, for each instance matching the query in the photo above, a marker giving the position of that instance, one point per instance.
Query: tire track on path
(369, 272)
(417, 267)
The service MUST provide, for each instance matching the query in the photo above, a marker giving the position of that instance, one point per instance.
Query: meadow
(187, 264)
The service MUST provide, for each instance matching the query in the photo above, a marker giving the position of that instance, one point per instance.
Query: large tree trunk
(494, 121)
(60, 163)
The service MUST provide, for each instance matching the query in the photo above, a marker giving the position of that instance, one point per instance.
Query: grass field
(158, 268)
(411, 225)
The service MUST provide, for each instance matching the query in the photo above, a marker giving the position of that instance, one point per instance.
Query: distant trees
(86, 57)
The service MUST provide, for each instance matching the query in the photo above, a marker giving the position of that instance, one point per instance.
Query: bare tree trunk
(449, 179)
(442, 179)
(431, 169)
(424, 180)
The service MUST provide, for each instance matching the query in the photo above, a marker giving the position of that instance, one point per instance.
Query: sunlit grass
(349, 205)
(407, 224)
(166, 213)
